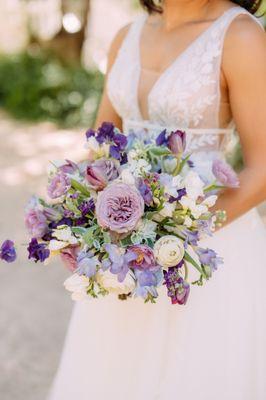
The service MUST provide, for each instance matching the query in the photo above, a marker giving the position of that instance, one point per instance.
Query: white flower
(167, 210)
(169, 251)
(77, 285)
(146, 230)
(110, 282)
(171, 184)
(194, 185)
(97, 150)
(196, 209)
(210, 201)
(127, 177)
(64, 233)
(139, 167)
(187, 221)
(64, 238)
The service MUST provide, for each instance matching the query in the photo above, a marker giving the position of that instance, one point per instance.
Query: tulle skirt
(214, 348)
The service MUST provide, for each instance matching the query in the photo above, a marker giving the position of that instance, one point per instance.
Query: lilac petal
(114, 152)
(161, 139)
(8, 252)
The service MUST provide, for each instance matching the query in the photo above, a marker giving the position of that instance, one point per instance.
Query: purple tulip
(36, 222)
(8, 252)
(58, 186)
(225, 174)
(177, 142)
(101, 172)
(37, 251)
(69, 257)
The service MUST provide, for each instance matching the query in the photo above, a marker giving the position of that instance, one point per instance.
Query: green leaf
(78, 230)
(79, 187)
(160, 151)
(189, 259)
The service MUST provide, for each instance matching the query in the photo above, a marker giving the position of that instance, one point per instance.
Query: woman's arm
(244, 67)
(106, 111)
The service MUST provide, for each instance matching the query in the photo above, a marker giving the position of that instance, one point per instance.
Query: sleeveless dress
(215, 346)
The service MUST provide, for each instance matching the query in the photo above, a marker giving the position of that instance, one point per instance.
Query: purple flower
(117, 261)
(180, 194)
(147, 282)
(86, 264)
(58, 186)
(142, 257)
(119, 208)
(177, 289)
(69, 257)
(192, 237)
(225, 174)
(86, 207)
(105, 132)
(101, 172)
(69, 167)
(52, 214)
(120, 140)
(209, 258)
(162, 139)
(90, 133)
(177, 142)
(145, 192)
(38, 251)
(36, 222)
(8, 252)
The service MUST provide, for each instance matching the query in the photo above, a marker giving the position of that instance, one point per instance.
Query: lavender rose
(101, 172)
(36, 222)
(119, 208)
(58, 186)
(225, 174)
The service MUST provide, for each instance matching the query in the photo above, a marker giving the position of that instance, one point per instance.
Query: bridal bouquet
(129, 219)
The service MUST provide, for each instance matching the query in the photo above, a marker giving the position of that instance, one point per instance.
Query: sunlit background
(53, 56)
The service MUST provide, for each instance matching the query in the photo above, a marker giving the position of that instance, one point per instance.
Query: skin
(242, 83)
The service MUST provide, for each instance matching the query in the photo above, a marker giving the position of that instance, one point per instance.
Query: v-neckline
(172, 64)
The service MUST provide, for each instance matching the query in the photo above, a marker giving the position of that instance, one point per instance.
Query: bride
(198, 65)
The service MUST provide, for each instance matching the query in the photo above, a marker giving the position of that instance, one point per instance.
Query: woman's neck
(178, 12)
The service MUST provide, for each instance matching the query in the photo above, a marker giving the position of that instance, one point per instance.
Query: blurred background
(53, 56)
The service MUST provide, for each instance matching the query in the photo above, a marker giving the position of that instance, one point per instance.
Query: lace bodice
(186, 95)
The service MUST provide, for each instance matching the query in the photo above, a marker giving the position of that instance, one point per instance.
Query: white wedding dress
(214, 348)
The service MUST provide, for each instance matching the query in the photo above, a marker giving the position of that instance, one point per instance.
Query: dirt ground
(34, 306)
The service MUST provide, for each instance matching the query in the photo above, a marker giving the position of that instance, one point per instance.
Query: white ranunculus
(77, 285)
(194, 185)
(110, 282)
(169, 251)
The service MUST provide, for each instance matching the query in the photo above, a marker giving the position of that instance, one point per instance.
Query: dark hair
(250, 5)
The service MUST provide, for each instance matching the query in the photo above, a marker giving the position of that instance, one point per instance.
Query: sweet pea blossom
(119, 207)
(8, 252)
(58, 186)
(37, 251)
(87, 264)
(225, 174)
(36, 222)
